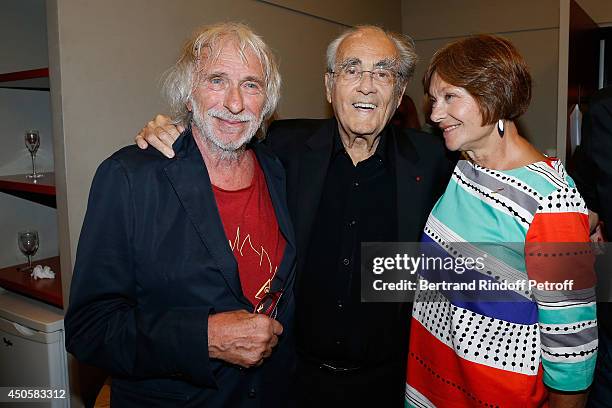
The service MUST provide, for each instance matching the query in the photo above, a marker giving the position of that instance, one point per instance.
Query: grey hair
(180, 80)
(404, 44)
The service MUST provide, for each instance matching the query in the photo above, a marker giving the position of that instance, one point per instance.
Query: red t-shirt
(250, 226)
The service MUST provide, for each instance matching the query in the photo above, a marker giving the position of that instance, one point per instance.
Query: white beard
(224, 150)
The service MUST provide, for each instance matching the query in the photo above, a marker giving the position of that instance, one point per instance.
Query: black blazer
(420, 162)
(593, 174)
(153, 262)
(593, 158)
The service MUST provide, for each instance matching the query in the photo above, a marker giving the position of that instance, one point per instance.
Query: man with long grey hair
(183, 283)
(351, 179)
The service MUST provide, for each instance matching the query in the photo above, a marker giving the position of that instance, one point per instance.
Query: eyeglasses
(268, 304)
(353, 74)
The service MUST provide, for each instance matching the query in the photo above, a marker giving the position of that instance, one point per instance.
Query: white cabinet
(32, 350)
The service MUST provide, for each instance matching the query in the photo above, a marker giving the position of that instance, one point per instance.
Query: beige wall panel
(599, 10)
(386, 13)
(539, 123)
(110, 56)
(426, 19)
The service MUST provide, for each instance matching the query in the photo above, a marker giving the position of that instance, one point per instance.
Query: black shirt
(358, 204)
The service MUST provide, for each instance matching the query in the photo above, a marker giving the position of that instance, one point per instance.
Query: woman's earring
(500, 127)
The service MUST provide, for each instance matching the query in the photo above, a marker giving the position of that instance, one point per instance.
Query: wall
(532, 26)
(23, 35)
(23, 46)
(383, 12)
(599, 10)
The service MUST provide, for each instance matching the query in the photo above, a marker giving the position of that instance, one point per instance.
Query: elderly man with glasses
(350, 179)
(178, 315)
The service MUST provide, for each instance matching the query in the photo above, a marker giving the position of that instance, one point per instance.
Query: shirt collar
(381, 150)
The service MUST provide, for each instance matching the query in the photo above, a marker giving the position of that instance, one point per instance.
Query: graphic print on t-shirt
(253, 235)
(240, 245)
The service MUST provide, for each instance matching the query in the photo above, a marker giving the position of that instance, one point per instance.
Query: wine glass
(28, 245)
(32, 142)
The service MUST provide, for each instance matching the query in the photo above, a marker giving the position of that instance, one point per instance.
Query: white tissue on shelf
(40, 272)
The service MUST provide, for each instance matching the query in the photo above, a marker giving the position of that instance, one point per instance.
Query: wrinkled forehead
(228, 51)
(368, 48)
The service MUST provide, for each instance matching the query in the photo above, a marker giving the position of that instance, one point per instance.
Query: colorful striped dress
(466, 352)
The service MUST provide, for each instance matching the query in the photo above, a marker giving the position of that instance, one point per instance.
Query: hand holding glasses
(28, 245)
(32, 142)
(268, 304)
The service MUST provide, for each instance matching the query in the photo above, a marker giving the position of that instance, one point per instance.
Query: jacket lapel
(275, 180)
(312, 173)
(407, 178)
(191, 182)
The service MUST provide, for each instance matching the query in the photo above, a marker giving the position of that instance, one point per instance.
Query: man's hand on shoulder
(160, 133)
(242, 338)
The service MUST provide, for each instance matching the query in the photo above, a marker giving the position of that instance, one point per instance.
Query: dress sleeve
(560, 262)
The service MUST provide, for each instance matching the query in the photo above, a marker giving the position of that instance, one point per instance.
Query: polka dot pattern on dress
(481, 339)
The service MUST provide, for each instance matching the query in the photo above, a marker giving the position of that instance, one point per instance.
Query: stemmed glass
(32, 142)
(28, 245)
